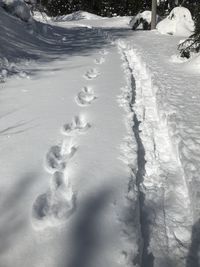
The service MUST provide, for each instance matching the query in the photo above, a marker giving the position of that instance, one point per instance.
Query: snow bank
(179, 23)
(18, 8)
(102, 22)
(78, 15)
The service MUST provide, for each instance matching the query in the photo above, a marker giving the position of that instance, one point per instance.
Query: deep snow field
(100, 147)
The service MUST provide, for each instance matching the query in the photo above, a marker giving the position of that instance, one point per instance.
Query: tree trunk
(154, 14)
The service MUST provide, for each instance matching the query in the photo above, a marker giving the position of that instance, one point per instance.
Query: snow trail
(103, 184)
(121, 205)
(85, 199)
(146, 259)
(165, 224)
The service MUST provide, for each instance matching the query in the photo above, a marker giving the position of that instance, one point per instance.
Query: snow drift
(78, 15)
(178, 23)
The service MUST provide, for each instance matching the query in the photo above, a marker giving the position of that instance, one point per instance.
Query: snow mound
(140, 18)
(78, 15)
(41, 16)
(178, 23)
(18, 8)
(146, 15)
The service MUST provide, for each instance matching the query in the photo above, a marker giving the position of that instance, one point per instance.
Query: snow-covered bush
(17, 8)
(179, 23)
(142, 21)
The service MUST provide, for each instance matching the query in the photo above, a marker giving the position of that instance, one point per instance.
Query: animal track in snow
(91, 74)
(99, 61)
(58, 156)
(56, 205)
(78, 125)
(85, 97)
(104, 52)
(59, 182)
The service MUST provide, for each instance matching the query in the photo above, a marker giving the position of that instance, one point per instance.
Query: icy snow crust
(178, 23)
(99, 146)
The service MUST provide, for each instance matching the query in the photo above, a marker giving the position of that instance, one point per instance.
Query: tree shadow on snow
(18, 41)
(13, 220)
(86, 236)
(193, 259)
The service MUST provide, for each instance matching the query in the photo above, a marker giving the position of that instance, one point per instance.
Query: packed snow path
(73, 150)
(89, 174)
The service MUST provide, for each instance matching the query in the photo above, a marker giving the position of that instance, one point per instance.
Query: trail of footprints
(58, 203)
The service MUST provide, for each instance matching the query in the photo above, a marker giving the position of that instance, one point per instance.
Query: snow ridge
(166, 205)
(129, 149)
(144, 258)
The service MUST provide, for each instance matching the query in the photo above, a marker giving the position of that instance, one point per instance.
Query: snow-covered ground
(99, 132)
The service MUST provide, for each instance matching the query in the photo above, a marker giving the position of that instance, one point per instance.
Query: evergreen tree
(99, 7)
(196, 35)
(192, 44)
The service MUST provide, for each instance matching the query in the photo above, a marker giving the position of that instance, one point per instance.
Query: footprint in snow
(99, 61)
(56, 205)
(85, 97)
(59, 183)
(58, 156)
(78, 125)
(91, 74)
(104, 52)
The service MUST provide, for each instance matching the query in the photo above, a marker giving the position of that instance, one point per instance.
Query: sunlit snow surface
(69, 188)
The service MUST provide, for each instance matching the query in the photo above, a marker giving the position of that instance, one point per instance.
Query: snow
(99, 131)
(178, 23)
(145, 15)
(78, 15)
(193, 64)
(66, 179)
(114, 22)
(18, 8)
(162, 166)
(41, 16)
